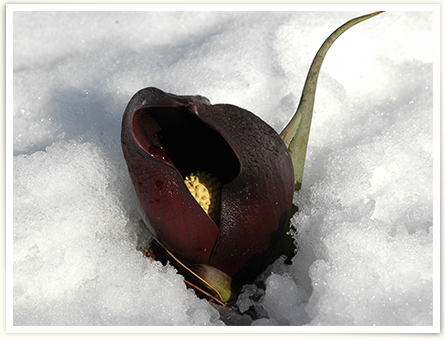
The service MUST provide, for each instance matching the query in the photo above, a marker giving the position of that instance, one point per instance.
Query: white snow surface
(365, 221)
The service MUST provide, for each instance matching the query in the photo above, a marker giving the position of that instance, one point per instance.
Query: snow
(365, 228)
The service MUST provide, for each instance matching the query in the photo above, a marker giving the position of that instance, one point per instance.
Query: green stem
(296, 133)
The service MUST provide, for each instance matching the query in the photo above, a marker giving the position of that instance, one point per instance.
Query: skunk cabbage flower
(215, 183)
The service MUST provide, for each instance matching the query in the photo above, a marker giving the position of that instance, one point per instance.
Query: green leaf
(296, 133)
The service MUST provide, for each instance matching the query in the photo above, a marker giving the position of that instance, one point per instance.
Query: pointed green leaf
(296, 133)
